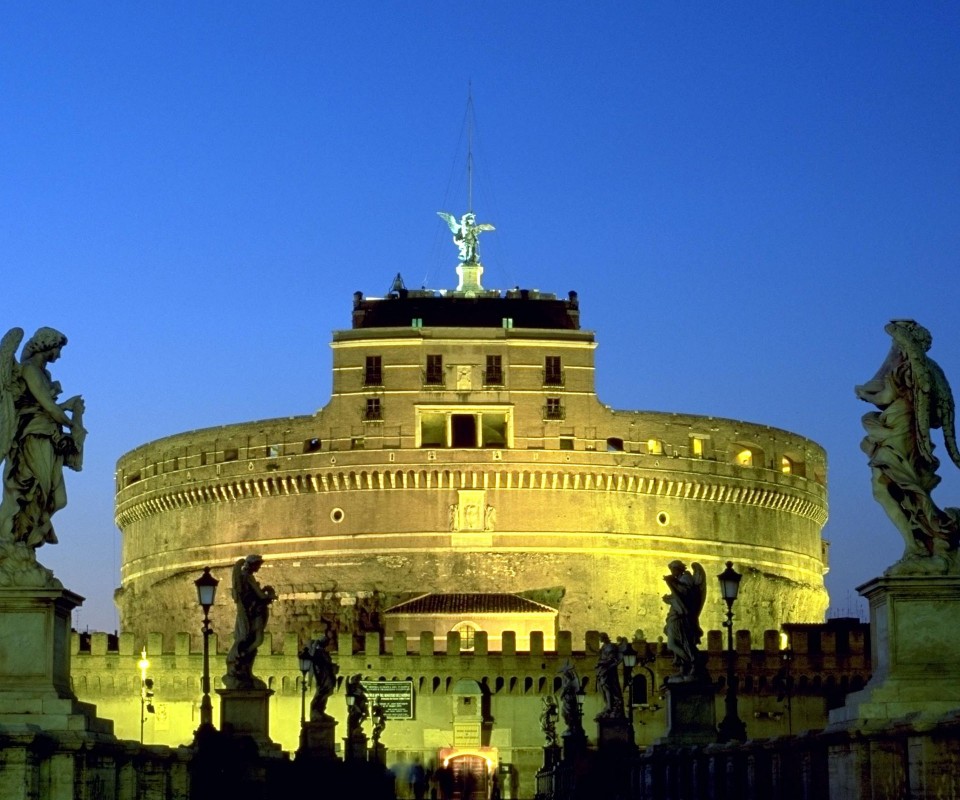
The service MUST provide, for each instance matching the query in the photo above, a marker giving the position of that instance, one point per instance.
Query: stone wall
(827, 661)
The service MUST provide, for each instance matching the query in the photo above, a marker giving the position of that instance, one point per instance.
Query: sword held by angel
(465, 235)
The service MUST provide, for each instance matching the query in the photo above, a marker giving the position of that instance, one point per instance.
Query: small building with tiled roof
(469, 612)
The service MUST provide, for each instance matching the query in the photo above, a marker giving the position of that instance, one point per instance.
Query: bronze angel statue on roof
(465, 235)
(39, 435)
(913, 397)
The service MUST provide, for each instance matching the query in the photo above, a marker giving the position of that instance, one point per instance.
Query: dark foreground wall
(901, 761)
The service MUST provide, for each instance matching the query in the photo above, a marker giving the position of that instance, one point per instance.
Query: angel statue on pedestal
(38, 437)
(912, 398)
(465, 235)
(688, 590)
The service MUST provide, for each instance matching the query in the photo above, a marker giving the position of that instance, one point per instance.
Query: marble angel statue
(688, 590)
(39, 436)
(913, 398)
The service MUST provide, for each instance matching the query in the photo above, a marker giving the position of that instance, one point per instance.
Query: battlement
(834, 654)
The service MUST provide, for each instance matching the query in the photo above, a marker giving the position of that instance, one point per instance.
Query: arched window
(467, 631)
(744, 458)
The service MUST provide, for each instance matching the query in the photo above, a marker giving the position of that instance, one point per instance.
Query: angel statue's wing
(450, 220)
(700, 583)
(9, 388)
(485, 226)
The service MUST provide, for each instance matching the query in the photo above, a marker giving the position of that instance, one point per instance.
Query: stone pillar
(246, 712)
(916, 654)
(691, 713)
(355, 747)
(35, 663)
(318, 740)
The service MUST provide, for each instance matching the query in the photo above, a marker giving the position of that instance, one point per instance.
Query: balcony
(493, 377)
(553, 377)
(554, 411)
(433, 379)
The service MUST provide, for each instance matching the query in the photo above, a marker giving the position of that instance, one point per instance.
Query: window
(552, 371)
(744, 458)
(654, 447)
(553, 409)
(614, 445)
(373, 371)
(373, 410)
(231, 454)
(272, 451)
(566, 443)
(460, 427)
(467, 633)
(696, 447)
(463, 430)
(493, 376)
(434, 374)
(786, 466)
(356, 443)
(311, 446)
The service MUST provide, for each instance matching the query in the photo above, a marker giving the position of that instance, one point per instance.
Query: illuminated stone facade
(464, 449)
(778, 696)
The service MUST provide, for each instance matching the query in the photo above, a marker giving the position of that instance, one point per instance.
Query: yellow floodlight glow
(144, 664)
(784, 641)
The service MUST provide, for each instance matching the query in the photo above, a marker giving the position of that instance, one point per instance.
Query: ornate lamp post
(306, 663)
(629, 662)
(731, 727)
(206, 593)
(146, 690)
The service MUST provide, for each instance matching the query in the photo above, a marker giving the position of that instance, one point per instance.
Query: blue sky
(741, 193)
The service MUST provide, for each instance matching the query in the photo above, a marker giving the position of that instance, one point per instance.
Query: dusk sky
(743, 194)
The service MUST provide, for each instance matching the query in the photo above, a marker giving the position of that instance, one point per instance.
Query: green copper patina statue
(465, 234)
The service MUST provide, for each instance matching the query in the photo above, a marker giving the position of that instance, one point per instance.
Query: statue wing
(945, 411)
(484, 226)
(450, 220)
(700, 588)
(9, 388)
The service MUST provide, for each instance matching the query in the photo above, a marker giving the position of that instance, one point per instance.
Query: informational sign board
(396, 697)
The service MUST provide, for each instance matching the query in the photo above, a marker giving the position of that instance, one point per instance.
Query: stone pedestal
(378, 754)
(355, 747)
(35, 663)
(691, 714)
(318, 740)
(551, 756)
(246, 712)
(915, 651)
(574, 744)
(613, 733)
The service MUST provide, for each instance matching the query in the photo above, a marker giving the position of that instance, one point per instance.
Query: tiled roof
(469, 604)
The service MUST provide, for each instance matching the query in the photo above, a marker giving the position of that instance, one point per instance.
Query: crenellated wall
(827, 662)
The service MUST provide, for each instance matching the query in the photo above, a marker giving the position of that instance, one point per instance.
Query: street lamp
(305, 665)
(629, 662)
(731, 727)
(206, 593)
(146, 690)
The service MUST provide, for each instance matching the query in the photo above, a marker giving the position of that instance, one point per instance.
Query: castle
(464, 453)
